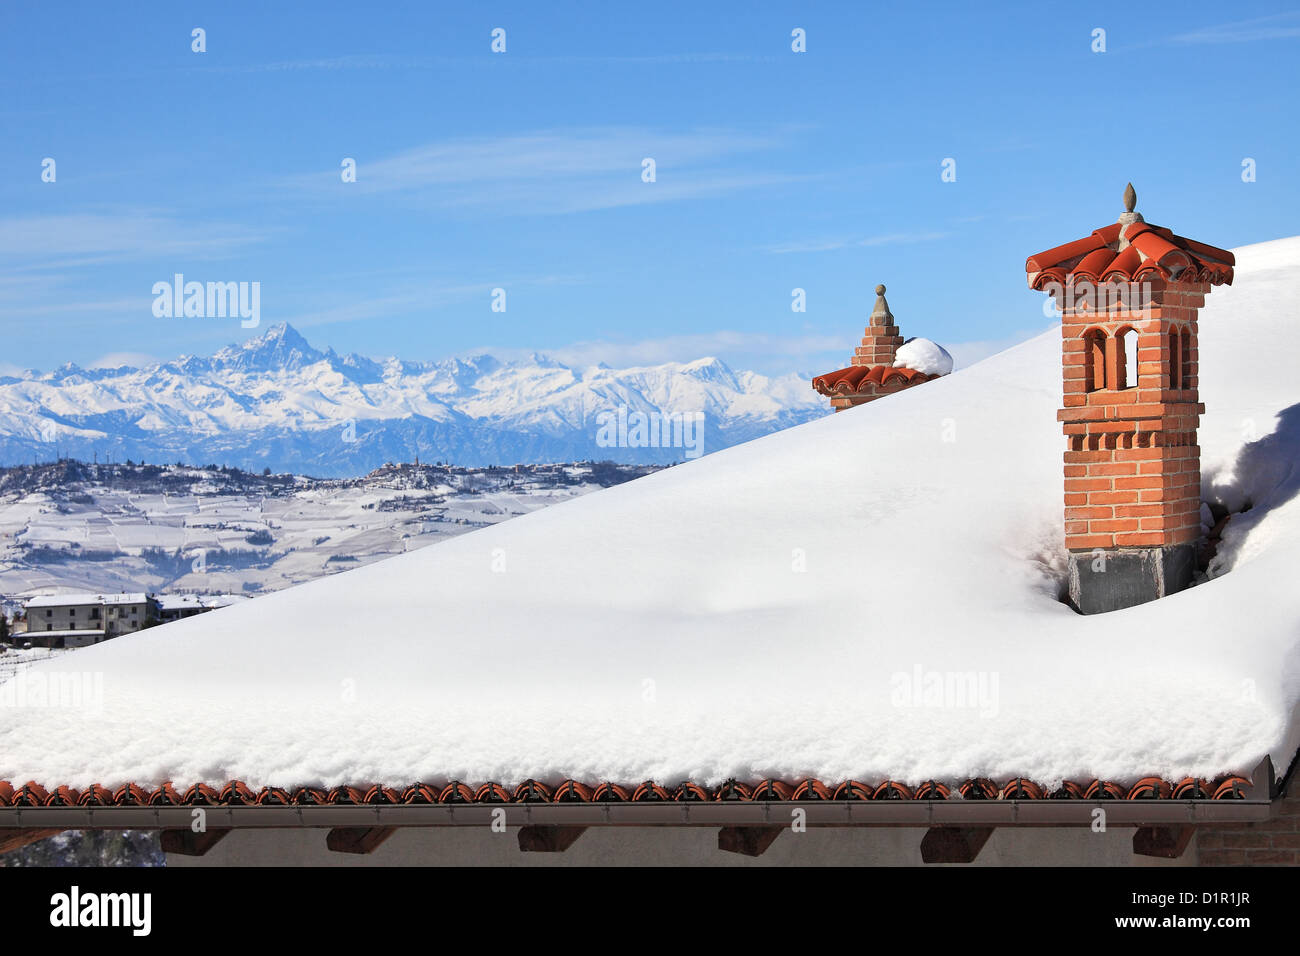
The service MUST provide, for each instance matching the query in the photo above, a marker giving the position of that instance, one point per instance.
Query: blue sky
(522, 170)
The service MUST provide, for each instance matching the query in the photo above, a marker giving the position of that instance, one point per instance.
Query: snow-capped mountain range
(277, 401)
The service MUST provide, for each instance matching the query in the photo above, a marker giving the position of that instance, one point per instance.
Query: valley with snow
(90, 527)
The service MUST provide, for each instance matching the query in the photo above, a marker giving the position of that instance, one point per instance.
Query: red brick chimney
(871, 373)
(1132, 464)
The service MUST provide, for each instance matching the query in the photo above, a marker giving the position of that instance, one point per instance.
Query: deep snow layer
(782, 608)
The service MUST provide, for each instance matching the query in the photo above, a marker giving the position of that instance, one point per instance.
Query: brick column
(1132, 465)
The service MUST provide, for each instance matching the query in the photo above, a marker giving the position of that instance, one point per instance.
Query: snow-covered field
(781, 608)
(102, 536)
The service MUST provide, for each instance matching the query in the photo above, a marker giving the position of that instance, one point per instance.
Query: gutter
(817, 813)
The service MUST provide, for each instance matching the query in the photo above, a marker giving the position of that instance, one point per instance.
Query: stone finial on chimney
(1128, 216)
(881, 315)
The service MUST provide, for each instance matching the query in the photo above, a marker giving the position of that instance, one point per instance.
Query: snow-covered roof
(81, 598)
(180, 602)
(872, 596)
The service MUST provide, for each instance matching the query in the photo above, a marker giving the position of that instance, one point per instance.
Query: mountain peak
(280, 335)
(280, 347)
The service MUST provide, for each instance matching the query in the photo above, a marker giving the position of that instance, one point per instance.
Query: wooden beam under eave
(189, 843)
(953, 844)
(1168, 843)
(357, 839)
(747, 841)
(17, 839)
(539, 839)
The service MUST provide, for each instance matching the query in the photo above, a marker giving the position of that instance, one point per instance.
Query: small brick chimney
(1129, 296)
(871, 373)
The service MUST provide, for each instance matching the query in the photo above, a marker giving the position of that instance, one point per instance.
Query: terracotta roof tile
(689, 792)
(457, 792)
(1124, 266)
(419, 793)
(530, 791)
(237, 793)
(731, 790)
(63, 797)
(892, 790)
(310, 796)
(278, 797)
(95, 796)
(1068, 790)
(1021, 789)
(382, 796)
(32, 794)
(811, 790)
(164, 796)
(1104, 790)
(1151, 250)
(131, 795)
(980, 789)
(849, 381)
(342, 795)
(853, 790)
(649, 792)
(610, 793)
(490, 793)
(1149, 788)
(930, 790)
(572, 792)
(1190, 788)
(201, 795)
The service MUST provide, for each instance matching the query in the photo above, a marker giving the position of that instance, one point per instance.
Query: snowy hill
(774, 609)
(75, 526)
(276, 400)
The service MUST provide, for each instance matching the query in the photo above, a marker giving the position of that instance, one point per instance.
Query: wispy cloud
(827, 245)
(561, 172)
(85, 238)
(351, 61)
(1280, 26)
(403, 298)
(118, 359)
(100, 307)
(375, 61)
(734, 346)
(774, 353)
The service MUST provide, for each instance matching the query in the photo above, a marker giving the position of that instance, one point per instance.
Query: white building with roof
(74, 619)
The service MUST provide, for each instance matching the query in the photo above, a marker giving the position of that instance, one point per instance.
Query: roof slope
(778, 609)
